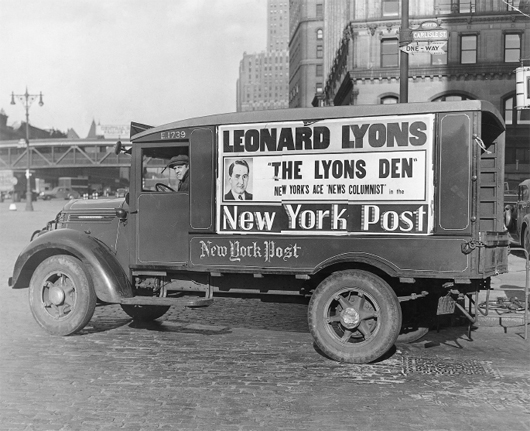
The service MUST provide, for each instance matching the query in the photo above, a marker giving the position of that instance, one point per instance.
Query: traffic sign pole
(403, 56)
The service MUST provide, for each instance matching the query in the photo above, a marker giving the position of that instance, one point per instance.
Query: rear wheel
(61, 296)
(410, 335)
(354, 316)
(145, 313)
(417, 319)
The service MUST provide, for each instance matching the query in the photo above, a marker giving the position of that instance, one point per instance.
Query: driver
(181, 165)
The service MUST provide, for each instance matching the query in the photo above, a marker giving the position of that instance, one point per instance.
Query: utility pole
(403, 56)
(27, 99)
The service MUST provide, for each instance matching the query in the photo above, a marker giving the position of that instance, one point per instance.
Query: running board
(182, 302)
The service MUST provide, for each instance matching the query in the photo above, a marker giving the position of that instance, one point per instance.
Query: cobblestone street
(241, 364)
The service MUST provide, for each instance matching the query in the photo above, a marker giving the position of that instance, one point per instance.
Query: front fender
(107, 276)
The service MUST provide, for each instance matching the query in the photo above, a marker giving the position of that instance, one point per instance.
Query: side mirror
(118, 147)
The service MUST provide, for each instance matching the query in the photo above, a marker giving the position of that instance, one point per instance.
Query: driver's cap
(181, 159)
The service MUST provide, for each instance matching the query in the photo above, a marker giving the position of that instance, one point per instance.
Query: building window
(466, 6)
(513, 5)
(389, 53)
(320, 70)
(468, 49)
(513, 116)
(320, 11)
(508, 110)
(320, 34)
(518, 150)
(390, 7)
(442, 7)
(389, 100)
(455, 6)
(512, 47)
(320, 51)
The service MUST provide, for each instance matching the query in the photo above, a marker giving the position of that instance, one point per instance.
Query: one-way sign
(435, 48)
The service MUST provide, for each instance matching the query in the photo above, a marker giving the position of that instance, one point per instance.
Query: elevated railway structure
(50, 159)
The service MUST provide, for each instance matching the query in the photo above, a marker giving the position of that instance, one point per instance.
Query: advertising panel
(340, 176)
(7, 181)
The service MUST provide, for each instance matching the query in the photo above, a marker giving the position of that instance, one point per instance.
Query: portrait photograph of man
(238, 180)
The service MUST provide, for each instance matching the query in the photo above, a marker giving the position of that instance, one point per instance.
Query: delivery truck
(379, 217)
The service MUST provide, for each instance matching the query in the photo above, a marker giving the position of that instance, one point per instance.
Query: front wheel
(61, 297)
(354, 316)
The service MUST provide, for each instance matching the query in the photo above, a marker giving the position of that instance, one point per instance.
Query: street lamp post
(27, 99)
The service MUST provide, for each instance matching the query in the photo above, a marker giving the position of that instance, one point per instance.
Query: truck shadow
(243, 313)
(452, 337)
(181, 327)
(219, 318)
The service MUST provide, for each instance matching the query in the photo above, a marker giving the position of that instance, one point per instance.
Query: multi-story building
(306, 51)
(263, 77)
(487, 40)
(18, 130)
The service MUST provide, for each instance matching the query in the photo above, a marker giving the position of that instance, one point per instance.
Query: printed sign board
(337, 176)
(434, 48)
(437, 34)
(113, 131)
(7, 181)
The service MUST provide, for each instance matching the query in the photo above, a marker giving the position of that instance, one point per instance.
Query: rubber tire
(411, 336)
(416, 319)
(145, 313)
(525, 239)
(84, 302)
(388, 323)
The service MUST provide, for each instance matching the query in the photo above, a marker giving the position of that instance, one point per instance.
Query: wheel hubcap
(350, 318)
(56, 295)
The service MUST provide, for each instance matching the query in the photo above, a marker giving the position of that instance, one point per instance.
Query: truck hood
(94, 205)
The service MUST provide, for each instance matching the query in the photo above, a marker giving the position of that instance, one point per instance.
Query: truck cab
(372, 215)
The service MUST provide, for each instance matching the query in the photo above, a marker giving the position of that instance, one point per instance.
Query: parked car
(120, 193)
(59, 193)
(517, 216)
(510, 195)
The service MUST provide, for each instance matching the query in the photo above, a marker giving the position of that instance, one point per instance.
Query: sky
(117, 61)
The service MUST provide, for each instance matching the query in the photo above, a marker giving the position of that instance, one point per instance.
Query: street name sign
(430, 35)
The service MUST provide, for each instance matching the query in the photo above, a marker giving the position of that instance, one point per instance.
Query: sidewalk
(506, 299)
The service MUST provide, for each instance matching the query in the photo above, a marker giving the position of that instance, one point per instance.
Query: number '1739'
(173, 134)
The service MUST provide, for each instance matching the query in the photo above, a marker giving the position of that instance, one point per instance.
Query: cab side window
(162, 169)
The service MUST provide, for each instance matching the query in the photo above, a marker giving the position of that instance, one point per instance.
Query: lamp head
(40, 99)
(12, 98)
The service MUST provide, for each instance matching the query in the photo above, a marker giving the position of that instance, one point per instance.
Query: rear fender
(107, 276)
